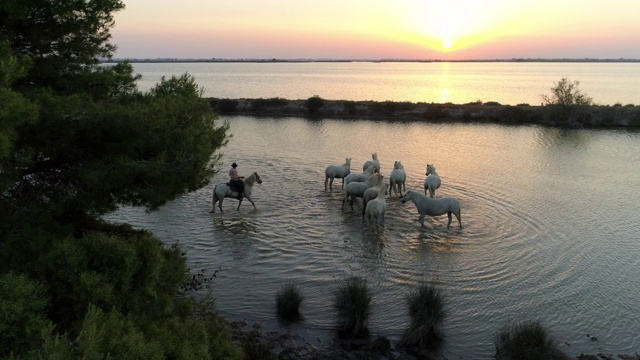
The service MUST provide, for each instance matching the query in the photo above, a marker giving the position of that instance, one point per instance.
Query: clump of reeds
(288, 302)
(353, 307)
(427, 313)
(527, 340)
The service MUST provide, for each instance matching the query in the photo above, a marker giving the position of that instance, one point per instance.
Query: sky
(378, 29)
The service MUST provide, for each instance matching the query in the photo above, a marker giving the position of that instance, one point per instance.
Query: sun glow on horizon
(447, 26)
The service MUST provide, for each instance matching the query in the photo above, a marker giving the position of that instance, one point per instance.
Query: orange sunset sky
(376, 29)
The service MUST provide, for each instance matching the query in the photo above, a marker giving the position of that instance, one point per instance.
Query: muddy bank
(551, 115)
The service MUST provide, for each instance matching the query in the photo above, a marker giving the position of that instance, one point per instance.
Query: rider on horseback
(236, 180)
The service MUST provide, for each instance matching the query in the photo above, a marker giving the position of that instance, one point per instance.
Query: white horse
(374, 162)
(223, 190)
(372, 193)
(432, 182)
(356, 189)
(359, 177)
(375, 210)
(335, 171)
(397, 179)
(434, 207)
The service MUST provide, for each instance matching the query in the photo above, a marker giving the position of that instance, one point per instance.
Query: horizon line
(284, 60)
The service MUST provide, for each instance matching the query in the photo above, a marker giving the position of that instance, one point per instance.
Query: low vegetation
(566, 106)
(352, 303)
(288, 302)
(527, 340)
(426, 309)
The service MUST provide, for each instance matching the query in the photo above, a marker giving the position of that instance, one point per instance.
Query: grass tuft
(427, 313)
(353, 307)
(288, 302)
(527, 340)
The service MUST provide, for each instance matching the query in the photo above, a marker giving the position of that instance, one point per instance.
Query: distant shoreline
(275, 60)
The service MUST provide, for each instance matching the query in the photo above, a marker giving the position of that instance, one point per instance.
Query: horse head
(398, 165)
(374, 156)
(378, 178)
(430, 169)
(407, 195)
(258, 180)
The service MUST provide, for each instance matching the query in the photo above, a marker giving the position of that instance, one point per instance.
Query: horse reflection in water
(223, 190)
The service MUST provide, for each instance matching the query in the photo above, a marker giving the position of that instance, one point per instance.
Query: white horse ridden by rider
(432, 182)
(223, 190)
(434, 207)
(356, 189)
(372, 193)
(336, 171)
(359, 177)
(375, 210)
(397, 179)
(374, 161)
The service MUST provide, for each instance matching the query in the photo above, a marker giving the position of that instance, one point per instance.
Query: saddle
(233, 187)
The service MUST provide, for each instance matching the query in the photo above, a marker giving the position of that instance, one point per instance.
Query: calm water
(551, 229)
(459, 83)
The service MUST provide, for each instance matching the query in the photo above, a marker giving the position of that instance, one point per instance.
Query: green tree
(78, 140)
(567, 105)
(566, 93)
(65, 39)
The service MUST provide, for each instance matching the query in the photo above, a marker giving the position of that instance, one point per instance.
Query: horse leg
(449, 216)
(220, 204)
(239, 203)
(353, 198)
(251, 201)
(331, 184)
(344, 199)
(421, 220)
(459, 216)
(213, 202)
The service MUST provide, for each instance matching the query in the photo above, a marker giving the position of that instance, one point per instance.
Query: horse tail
(214, 198)
(326, 181)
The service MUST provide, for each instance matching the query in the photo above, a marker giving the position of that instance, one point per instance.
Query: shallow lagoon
(551, 229)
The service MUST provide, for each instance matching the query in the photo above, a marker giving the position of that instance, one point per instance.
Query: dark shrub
(513, 114)
(22, 313)
(434, 112)
(349, 107)
(262, 104)
(492, 103)
(425, 306)
(288, 301)
(527, 340)
(314, 104)
(226, 106)
(352, 303)
(635, 120)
